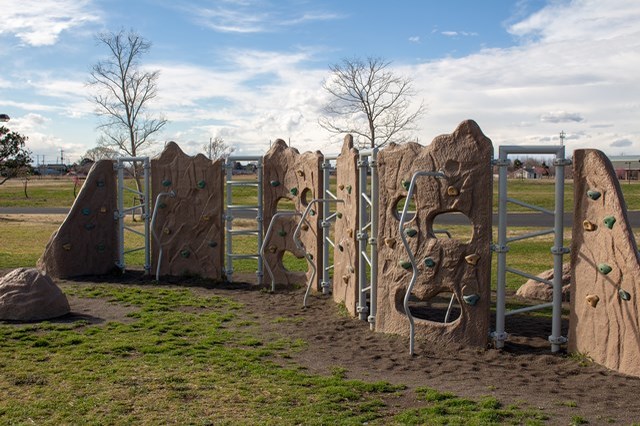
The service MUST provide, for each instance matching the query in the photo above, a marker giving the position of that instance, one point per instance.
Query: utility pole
(61, 156)
(562, 136)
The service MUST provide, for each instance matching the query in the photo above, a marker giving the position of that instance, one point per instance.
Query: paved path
(513, 219)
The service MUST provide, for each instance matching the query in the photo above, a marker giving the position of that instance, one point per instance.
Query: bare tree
(122, 94)
(100, 153)
(369, 101)
(217, 148)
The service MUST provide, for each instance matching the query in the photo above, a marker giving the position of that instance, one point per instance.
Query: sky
(251, 71)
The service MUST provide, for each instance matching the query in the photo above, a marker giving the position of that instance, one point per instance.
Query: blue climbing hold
(201, 184)
(429, 262)
(594, 195)
(274, 183)
(471, 299)
(166, 182)
(624, 295)
(405, 264)
(609, 221)
(282, 233)
(86, 211)
(410, 232)
(604, 268)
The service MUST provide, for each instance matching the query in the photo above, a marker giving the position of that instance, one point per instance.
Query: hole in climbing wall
(293, 264)
(442, 308)
(453, 225)
(399, 206)
(285, 205)
(306, 196)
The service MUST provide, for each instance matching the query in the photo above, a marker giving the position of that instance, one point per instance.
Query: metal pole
(147, 205)
(362, 236)
(120, 215)
(326, 211)
(229, 222)
(501, 249)
(558, 251)
(260, 220)
(373, 294)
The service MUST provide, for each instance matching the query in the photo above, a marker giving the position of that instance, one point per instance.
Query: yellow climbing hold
(390, 242)
(472, 259)
(589, 226)
(273, 249)
(67, 246)
(453, 191)
(592, 299)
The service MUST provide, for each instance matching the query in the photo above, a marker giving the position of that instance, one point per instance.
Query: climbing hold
(624, 295)
(294, 191)
(594, 195)
(348, 189)
(300, 173)
(166, 182)
(304, 227)
(472, 259)
(350, 233)
(86, 211)
(592, 299)
(471, 299)
(282, 233)
(341, 187)
(339, 215)
(213, 244)
(429, 262)
(162, 205)
(390, 242)
(201, 184)
(67, 246)
(312, 212)
(352, 270)
(340, 247)
(275, 183)
(410, 232)
(166, 231)
(100, 183)
(206, 217)
(89, 226)
(406, 184)
(273, 249)
(103, 209)
(453, 191)
(589, 226)
(310, 256)
(101, 247)
(604, 268)
(185, 253)
(405, 264)
(345, 279)
(609, 221)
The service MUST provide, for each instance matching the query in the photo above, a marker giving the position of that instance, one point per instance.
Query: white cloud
(414, 39)
(40, 22)
(561, 117)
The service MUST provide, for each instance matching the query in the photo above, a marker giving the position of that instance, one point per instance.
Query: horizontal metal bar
(530, 149)
(367, 226)
(529, 309)
(244, 256)
(530, 206)
(366, 258)
(330, 194)
(243, 158)
(527, 275)
(135, 231)
(366, 289)
(366, 198)
(239, 207)
(135, 191)
(330, 242)
(242, 183)
(330, 267)
(134, 249)
(531, 235)
(244, 232)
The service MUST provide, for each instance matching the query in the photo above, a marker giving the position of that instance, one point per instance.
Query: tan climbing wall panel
(346, 258)
(445, 265)
(189, 225)
(605, 321)
(287, 174)
(87, 241)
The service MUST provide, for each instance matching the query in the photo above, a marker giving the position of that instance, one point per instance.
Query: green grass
(188, 358)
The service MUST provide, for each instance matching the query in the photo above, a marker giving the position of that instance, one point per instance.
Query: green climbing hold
(185, 253)
(294, 191)
(410, 232)
(471, 299)
(162, 205)
(349, 188)
(339, 215)
(310, 256)
(213, 244)
(275, 183)
(201, 184)
(89, 226)
(624, 295)
(406, 184)
(166, 182)
(604, 268)
(594, 195)
(101, 247)
(100, 184)
(86, 211)
(405, 264)
(609, 221)
(282, 233)
(312, 212)
(429, 262)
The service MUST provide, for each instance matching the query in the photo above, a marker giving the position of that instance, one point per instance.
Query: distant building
(627, 167)
(52, 169)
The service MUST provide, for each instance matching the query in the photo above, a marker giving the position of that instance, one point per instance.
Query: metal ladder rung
(241, 183)
(236, 207)
(244, 232)
(245, 256)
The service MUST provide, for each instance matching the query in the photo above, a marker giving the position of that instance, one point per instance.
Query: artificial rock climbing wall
(287, 174)
(87, 241)
(605, 285)
(189, 225)
(444, 265)
(345, 253)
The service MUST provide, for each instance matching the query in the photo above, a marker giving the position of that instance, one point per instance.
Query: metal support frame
(153, 231)
(502, 248)
(230, 209)
(368, 235)
(121, 213)
(412, 258)
(300, 245)
(327, 218)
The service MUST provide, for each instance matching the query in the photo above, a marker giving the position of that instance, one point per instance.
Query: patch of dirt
(524, 373)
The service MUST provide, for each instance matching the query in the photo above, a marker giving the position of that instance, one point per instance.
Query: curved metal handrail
(266, 238)
(300, 246)
(153, 230)
(412, 258)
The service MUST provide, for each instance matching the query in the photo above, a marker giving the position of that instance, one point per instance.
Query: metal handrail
(266, 238)
(153, 229)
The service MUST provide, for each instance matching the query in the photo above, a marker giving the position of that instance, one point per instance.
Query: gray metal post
(229, 222)
(373, 294)
(326, 225)
(499, 335)
(362, 236)
(120, 215)
(260, 220)
(147, 217)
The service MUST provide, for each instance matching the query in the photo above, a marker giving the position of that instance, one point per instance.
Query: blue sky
(250, 71)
